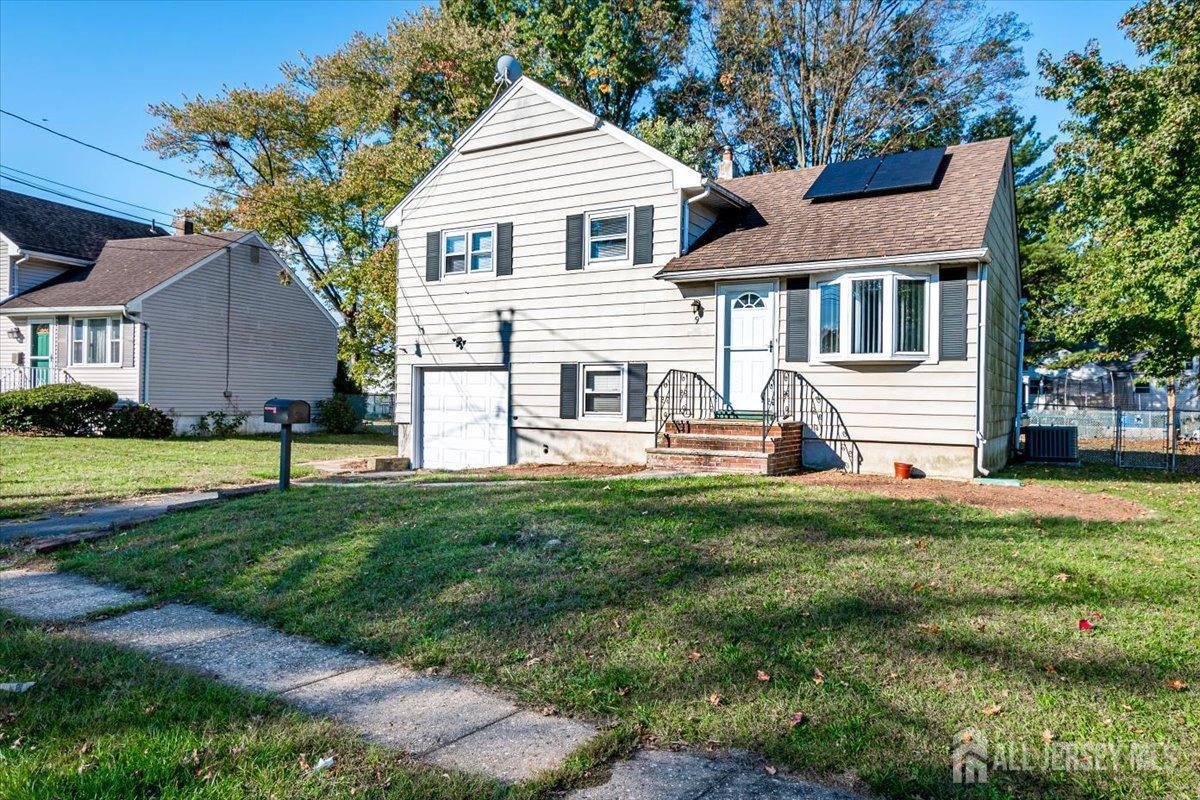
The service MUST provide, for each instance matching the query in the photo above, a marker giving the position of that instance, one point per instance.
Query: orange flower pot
(903, 471)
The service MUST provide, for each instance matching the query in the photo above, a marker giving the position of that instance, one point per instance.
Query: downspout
(981, 370)
(13, 280)
(1020, 398)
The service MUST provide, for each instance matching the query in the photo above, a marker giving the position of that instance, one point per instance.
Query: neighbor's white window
(96, 340)
(603, 390)
(607, 236)
(468, 250)
(884, 315)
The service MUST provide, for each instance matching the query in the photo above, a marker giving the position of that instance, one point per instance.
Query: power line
(133, 217)
(118, 155)
(85, 191)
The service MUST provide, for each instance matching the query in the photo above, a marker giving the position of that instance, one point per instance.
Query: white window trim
(108, 342)
(466, 233)
(889, 354)
(625, 260)
(583, 371)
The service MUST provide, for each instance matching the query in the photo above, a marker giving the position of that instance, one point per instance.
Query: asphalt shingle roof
(125, 269)
(781, 227)
(45, 226)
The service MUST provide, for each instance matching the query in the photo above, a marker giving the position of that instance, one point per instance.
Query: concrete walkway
(106, 517)
(439, 720)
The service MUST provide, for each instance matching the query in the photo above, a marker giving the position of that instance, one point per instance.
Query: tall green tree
(602, 54)
(1127, 193)
(315, 162)
(813, 81)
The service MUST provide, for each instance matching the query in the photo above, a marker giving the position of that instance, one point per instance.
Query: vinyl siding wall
(1002, 364)
(602, 313)
(32, 273)
(6, 259)
(700, 218)
(125, 381)
(279, 342)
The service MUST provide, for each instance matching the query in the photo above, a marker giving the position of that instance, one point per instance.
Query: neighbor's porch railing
(788, 396)
(684, 395)
(30, 377)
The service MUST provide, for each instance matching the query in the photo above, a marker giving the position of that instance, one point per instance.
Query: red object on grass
(1084, 625)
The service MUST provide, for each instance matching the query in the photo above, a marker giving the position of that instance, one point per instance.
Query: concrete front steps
(728, 446)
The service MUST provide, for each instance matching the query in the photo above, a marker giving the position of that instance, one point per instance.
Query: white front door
(747, 343)
(464, 418)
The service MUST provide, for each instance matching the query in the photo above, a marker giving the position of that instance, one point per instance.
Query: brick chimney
(725, 171)
(183, 226)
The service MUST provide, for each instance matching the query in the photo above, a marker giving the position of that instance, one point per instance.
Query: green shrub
(137, 422)
(220, 423)
(336, 415)
(69, 409)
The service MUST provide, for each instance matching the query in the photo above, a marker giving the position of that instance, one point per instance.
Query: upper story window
(96, 341)
(873, 316)
(607, 236)
(469, 250)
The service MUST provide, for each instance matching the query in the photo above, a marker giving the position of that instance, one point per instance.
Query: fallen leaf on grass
(818, 676)
(715, 699)
(770, 770)
(929, 627)
(1062, 577)
(797, 718)
(992, 710)
(1047, 736)
(1176, 685)
(693, 656)
(763, 676)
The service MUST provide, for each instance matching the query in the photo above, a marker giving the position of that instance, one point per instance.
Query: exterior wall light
(14, 333)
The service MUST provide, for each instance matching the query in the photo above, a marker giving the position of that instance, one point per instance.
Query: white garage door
(464, 419)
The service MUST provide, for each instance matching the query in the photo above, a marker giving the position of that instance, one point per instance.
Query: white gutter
(74, 262)
(981, 371)
(19, 312)
(979, 255)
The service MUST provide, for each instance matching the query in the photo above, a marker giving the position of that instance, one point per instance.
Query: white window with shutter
(607, 236)
(874, 317)
(468, 251)
(603, 390)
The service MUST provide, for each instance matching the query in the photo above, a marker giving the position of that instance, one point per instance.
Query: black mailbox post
(287, 413)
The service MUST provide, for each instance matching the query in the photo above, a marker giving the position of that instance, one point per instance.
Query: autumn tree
(809, 82)
(315, 162)
(1126, 194)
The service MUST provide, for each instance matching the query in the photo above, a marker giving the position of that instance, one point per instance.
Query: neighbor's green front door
(39, 354)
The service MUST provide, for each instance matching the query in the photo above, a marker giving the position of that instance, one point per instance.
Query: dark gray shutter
(952, 284)
(643, 234)
(797, 320)
(575, 241)
(568, 391)
(433, 255)
(504, 248)
(635, 406)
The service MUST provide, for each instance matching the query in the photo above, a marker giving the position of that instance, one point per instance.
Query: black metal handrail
(683, 395)
(788, 396)
(30, 377)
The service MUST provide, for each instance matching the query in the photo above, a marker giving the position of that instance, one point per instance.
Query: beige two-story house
(567, 292)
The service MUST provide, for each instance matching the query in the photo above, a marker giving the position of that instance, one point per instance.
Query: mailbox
(285, 412)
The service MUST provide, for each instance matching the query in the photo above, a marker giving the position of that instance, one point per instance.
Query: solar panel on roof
(843, 179)
(915, 170)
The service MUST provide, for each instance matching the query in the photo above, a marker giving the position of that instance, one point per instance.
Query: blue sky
(91, 70)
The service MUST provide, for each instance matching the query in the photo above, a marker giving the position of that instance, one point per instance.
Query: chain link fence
(1129, 437)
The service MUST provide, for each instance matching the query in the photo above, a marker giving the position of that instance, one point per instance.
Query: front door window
(39, 353)
(747, 345)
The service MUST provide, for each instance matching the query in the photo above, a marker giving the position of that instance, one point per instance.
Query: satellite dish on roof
(507, 70)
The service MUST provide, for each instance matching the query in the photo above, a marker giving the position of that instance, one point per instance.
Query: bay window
(96, 340)
(885, 316)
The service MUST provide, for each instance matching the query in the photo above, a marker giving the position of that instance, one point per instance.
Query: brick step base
(726, 427)
(697, 460)
(713, 441)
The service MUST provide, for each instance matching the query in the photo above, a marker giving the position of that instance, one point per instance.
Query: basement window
(604, 390)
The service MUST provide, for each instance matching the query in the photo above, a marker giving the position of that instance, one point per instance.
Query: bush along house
(191, 323)
(567, 292)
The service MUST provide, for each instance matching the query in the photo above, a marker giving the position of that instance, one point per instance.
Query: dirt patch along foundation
(1030, 498)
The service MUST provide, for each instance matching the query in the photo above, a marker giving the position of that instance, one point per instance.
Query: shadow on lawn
(611, 587)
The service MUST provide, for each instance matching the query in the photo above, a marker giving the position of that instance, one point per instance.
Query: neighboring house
(190, 323)
(567, 292)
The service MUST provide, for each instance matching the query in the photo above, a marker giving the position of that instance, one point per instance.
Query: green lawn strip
(889, 624)
(43, 474)
(105, 723)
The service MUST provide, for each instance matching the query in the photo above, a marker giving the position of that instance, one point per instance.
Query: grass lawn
(39, 474)
(709, 611)
(104, 723)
